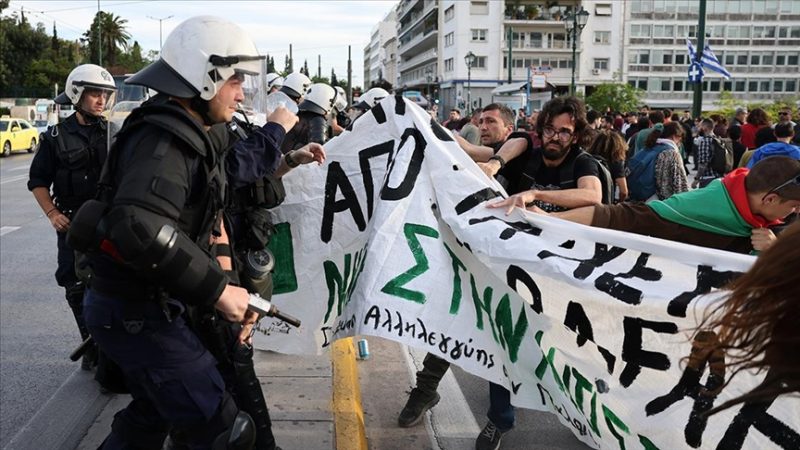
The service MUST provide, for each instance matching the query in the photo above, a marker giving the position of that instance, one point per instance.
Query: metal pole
(469, 89)
(528, 94)
(697, 102)
(349, 78)
(160, 40)
(574, 49)
(291, 61)
(510, 63)
(99, 36)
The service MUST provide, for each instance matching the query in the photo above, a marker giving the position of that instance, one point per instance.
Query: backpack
(641, 173)
(566, 175)
(722, 157)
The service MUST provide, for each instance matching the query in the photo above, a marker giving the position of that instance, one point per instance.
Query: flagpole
(697, 104)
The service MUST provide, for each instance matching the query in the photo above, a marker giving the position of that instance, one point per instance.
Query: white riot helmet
(86, 76)
(198, 57)
(320, 99)
(341, 99)
(295, 85)
(371, 98)
(273, 81)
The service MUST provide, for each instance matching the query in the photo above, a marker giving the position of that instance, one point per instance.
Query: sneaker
(418, 402)
(490, 437)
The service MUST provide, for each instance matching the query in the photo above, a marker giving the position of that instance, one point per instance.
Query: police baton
(78, 352)
(266, 308)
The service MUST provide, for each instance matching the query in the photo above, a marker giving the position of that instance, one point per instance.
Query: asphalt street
(37, 331)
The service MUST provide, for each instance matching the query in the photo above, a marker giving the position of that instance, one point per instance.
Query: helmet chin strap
(201, 107)
(88, 117)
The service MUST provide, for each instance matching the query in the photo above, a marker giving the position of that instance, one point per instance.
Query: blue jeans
(501, 411)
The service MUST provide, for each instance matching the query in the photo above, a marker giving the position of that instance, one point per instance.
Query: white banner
(391, 238)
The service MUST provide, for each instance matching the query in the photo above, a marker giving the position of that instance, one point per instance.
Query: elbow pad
(168, 256)
(318, 130)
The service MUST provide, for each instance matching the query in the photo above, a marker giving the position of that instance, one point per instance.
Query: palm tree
(114, 36)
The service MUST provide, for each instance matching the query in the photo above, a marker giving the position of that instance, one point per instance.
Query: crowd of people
(162, 238)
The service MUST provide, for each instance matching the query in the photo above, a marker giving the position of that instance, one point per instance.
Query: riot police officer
(314, 112)
(69, 160)
(370, 98)
(157, 215)
(295, 86)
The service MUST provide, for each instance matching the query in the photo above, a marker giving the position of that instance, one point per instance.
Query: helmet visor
(109, 95)
(245, 64)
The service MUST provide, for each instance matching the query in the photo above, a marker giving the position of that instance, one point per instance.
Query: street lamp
(575, 23)
(160, 44)
(470, 60)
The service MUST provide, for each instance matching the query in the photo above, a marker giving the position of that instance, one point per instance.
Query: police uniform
(69, 159)
(164, 200)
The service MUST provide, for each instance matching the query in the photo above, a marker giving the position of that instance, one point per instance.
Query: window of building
(770, 7)
(665, 85)
(677, 85)
(686, 31)
(602, 37)
(448, 65)
(791, 85)
(738, 31)
(642, 6)
(755, 59)
(763, 32)
(727, 86)
(681, 59)
(741, 59)
(640, 30)
(639, 57)
(476, 8)
(602, 9)
(601, 63)
(752, 86)
(764, 86)
(449, 13)
(535, 39)
(714, 86)
(480, 62)
(791, 59)
(479, 35)
(739, 86)
(663, 31)
(449, 39)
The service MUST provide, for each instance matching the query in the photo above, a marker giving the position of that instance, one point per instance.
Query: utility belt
(128, 290)
(267, 192)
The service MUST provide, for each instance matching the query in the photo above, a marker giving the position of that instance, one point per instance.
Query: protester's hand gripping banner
(391, 237)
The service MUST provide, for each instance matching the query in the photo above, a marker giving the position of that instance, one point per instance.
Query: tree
(616, 96)
(304, 70)
(112, 34)
(270, 64)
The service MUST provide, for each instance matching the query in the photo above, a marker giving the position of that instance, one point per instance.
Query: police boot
(74, 295)
(240, 436)
(250, 396)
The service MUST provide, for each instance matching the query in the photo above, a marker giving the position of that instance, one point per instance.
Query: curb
(64, 419)
(348, 415)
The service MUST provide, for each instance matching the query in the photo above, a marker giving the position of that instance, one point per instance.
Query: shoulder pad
(172, 118)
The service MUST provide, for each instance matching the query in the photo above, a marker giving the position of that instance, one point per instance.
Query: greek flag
(708, 59)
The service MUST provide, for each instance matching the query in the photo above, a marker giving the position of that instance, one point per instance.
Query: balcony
(404, 7)
(416, 16)
(538, 45)
(417, 60)
(540, 13)
(410, 46)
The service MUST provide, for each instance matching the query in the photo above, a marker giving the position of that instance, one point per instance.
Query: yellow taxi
(17, 134)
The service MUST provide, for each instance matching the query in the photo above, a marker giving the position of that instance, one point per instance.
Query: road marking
(14, 178)
(20, 168)
(452, 417)
(6, 230)
(348, 415)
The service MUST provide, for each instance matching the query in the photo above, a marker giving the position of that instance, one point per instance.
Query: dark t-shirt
(617, 169)
(549, 178)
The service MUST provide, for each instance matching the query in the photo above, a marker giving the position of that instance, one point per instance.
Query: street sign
(541, 69)
(538, 81)
(695, 72)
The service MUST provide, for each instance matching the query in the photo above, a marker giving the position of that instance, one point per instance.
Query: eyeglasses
(794, 180)
(784, 113)
(563, 134)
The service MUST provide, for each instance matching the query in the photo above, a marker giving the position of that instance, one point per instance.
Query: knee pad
(241, 435)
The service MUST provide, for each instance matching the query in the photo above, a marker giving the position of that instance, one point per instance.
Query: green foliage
(113, 37)
(316, 79)
(727, 104)
(270, 64)
(616, 96)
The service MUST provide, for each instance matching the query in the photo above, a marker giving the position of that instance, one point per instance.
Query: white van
(65, 111)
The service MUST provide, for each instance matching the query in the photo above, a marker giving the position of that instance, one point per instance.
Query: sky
(313, 28)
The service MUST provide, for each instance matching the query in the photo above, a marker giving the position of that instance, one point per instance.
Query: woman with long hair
(757, 324)
(610, 146)
(756, 120)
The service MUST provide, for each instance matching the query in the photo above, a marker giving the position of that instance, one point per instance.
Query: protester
(452, 119)
(654, 118)
(735, 135)
(784, 132)
(747, 203)
(313, 114)
(610, 146)
(495, 124)
(705, 154)
(756, 119)
(658, 171)
(470, 131)
(756, 324)
(739, 117)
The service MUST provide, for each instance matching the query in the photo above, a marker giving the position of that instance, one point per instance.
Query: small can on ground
(363, 349)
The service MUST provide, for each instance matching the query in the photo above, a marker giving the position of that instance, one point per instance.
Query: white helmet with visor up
(86, 76)
(198, 57)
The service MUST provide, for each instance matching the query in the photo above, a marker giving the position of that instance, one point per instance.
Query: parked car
(416, 97)
(17, 134)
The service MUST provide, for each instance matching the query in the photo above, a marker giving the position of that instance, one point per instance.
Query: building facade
(640, 42)
(378, 63)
